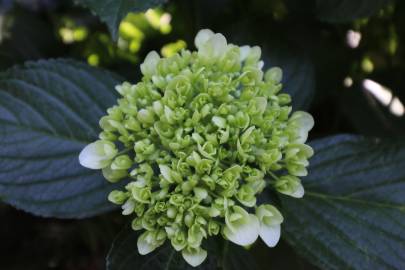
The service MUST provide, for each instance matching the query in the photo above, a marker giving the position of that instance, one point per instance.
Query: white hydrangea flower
(199, 137)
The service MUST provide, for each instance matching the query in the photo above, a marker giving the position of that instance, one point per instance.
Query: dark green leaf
(113, 11)
(277, 51)
(124, 255)
(347, 10)
(49, 111)
(353, 213)
(298, 71)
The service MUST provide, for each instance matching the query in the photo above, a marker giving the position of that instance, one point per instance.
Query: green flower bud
(179, 240)
(176, 199)
(290, 185)
(117, 197)
(246, 196)
(209, 182)
(136, 224)
(112, 175)
(162, 221)
(139, 209)
(213, 228)
(122, 162)
(171, 212)
(195, 235)
(144, 150)
(141, 195)
(189, 218)
(149, 220)
(207, 150)
(146, 116)
(203, 166)
(240, 120)
(160, 207)
(274, 75)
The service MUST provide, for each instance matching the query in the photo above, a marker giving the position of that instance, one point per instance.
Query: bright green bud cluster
(200, 137)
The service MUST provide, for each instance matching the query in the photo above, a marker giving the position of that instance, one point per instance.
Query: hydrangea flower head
(200, 137)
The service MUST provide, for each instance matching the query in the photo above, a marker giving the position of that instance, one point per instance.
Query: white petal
(149, 66)
(219, 45)
(202, 36)
(165, 171)
(128, 207)
(244, 234)
(143, 246)
(244, 52)
(219, 121)
(299, 192)
(194, 258)
(306, 123)
(90, 158)
(270, 234)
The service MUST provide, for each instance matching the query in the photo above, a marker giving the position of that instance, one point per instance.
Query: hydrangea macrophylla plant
(200, 137)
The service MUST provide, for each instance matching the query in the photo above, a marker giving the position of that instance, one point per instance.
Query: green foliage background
(353, 214)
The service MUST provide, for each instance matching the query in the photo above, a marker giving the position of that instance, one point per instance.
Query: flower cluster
(200, 137)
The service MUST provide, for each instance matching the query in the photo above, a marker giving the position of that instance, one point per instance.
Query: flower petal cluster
(200, 137)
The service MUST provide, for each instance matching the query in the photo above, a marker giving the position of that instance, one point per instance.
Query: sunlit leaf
(113, 11)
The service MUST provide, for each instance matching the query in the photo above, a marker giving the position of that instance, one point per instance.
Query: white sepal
(194, 256)
(202, 36)
(270, 219)
(270, 234)
(145, 244)
(241, 227)
(305, 123)
(97, 155)
(299, 192)
(149, 66)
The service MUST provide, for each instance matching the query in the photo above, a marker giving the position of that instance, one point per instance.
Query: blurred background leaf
(112, 12)
(24, 36)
